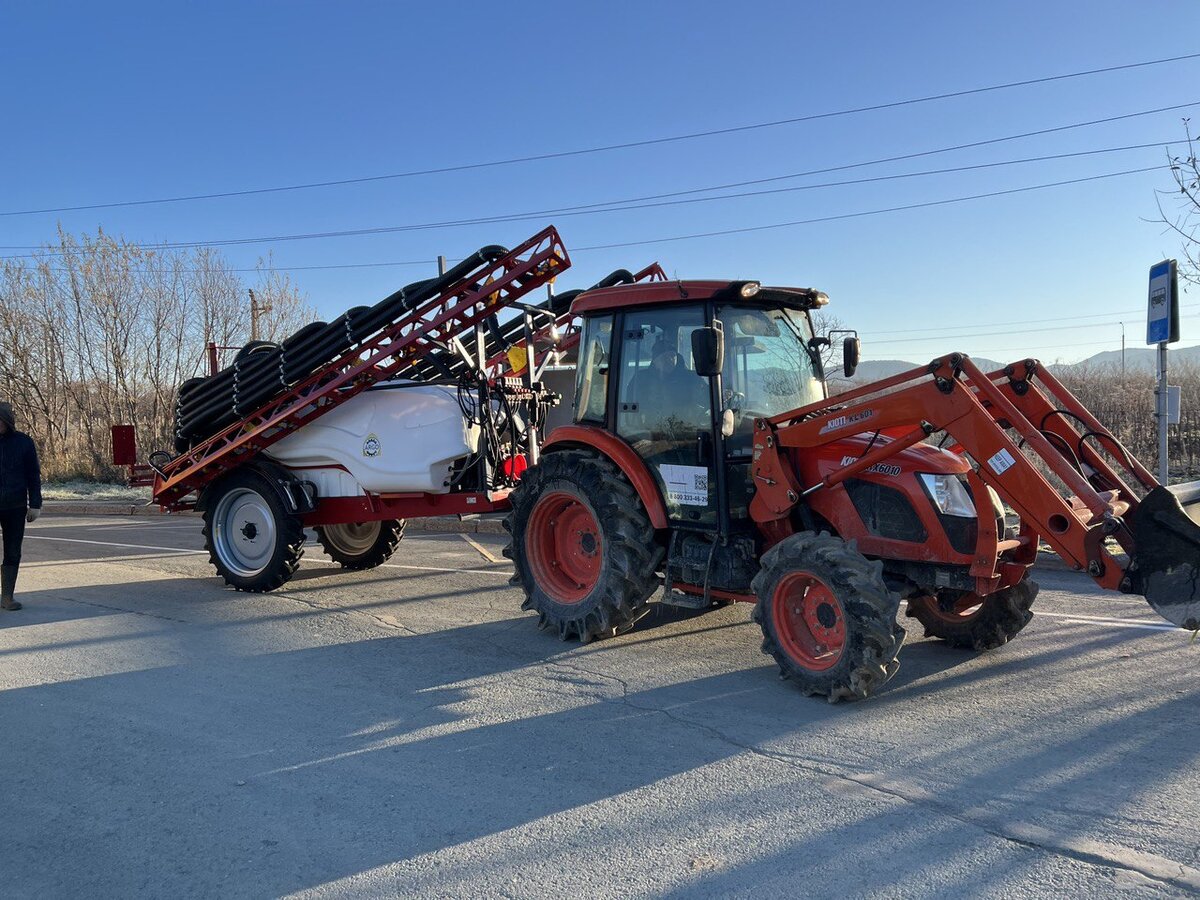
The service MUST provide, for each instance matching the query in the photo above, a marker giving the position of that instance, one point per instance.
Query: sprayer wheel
(253, 540)
(361, 545)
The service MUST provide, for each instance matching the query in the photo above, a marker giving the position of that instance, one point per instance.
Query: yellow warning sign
(517, 358)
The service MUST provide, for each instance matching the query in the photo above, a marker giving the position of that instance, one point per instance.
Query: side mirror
(851, 347)
(708, 351)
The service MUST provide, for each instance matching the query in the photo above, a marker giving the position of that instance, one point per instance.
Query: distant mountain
(1137, 359)
(875, 369)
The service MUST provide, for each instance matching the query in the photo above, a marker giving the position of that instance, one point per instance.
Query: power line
(907, 156)
(635, 203)
(609, 147)
(1024, 350)
(798, 222)
(989, 334)
(855, 215)
(1028, 321)
(609, 207)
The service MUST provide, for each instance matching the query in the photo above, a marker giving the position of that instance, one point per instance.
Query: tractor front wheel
(827, 617)
(582, 546)
(964, 619)
(361, 545)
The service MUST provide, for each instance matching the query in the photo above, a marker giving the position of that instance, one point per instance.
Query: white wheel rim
(244, 532)
(352, 538)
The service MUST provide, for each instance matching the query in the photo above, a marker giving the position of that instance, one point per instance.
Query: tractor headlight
(949, 495)
(997, 503)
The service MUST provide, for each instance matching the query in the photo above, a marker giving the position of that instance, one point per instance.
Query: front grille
(961, 531)
(885, 511)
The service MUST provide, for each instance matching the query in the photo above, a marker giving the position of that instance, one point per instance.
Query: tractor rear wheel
(582, 546)
(361, 545)
(964, 619)
(827, 616)
(253, 540)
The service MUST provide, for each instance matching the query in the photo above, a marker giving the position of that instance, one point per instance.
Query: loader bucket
(1166, 564)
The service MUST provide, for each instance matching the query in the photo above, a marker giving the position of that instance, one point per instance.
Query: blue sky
(124, 101)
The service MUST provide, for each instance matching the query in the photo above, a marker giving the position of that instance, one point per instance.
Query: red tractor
(707, 458)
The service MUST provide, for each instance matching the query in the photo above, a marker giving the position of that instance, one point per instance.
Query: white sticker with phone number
(686, 485)
(1001, 462)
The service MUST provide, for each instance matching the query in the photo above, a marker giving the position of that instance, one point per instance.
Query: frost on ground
(91, 490)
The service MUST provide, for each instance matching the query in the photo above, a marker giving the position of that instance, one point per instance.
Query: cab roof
(657, 293)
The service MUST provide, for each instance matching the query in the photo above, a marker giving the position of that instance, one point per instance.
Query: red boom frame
(434, 322)
(499, 363)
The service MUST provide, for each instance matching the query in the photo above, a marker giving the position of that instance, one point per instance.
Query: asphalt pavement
(409, 731)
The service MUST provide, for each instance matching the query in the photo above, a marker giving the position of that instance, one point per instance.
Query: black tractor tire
(361, 545)
(591, 574)
(253, 540)
(851, 650)
(994, 622)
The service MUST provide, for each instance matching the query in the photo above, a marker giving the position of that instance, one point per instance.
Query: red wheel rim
(809, 621)
(963, 609)
(564, 547)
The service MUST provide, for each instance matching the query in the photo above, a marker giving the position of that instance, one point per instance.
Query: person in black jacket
(20, 498)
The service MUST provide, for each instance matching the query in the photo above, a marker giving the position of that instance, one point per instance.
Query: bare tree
(1181, 213)
(825, 322)
(95, 330)
(286, 308)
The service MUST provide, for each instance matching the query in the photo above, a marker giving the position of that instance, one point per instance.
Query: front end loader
(707, 459)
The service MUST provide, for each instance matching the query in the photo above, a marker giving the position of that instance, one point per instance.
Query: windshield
(769, 368)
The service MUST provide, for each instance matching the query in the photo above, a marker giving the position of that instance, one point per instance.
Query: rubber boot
(8, 583)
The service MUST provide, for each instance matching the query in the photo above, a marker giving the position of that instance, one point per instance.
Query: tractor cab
(680, 371)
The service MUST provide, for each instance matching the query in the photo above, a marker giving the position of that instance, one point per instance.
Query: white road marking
(1094, 620)
(436, 569)
(143, 524)
(47, 537)
(482, 550)
(1101, 620)
(1115, 623)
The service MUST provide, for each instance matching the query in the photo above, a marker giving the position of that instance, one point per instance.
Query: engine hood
(918, 458)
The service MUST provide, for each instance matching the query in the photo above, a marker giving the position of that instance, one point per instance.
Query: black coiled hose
(263, 370)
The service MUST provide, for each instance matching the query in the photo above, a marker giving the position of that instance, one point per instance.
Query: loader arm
(1008, 422)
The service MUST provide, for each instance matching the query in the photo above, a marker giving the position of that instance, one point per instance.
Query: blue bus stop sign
(1162, 311)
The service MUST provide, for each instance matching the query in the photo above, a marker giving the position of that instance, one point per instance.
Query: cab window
(591, 379)
(769, 368)
(664, 409)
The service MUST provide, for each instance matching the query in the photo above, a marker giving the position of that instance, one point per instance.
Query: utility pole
(441, 265)
(1122, 351)
(1164, 474)
(256, 310)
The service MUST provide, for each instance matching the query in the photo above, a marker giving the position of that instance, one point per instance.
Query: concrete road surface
(408, 730)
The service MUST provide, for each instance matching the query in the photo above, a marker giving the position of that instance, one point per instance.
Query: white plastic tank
(396, 437)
